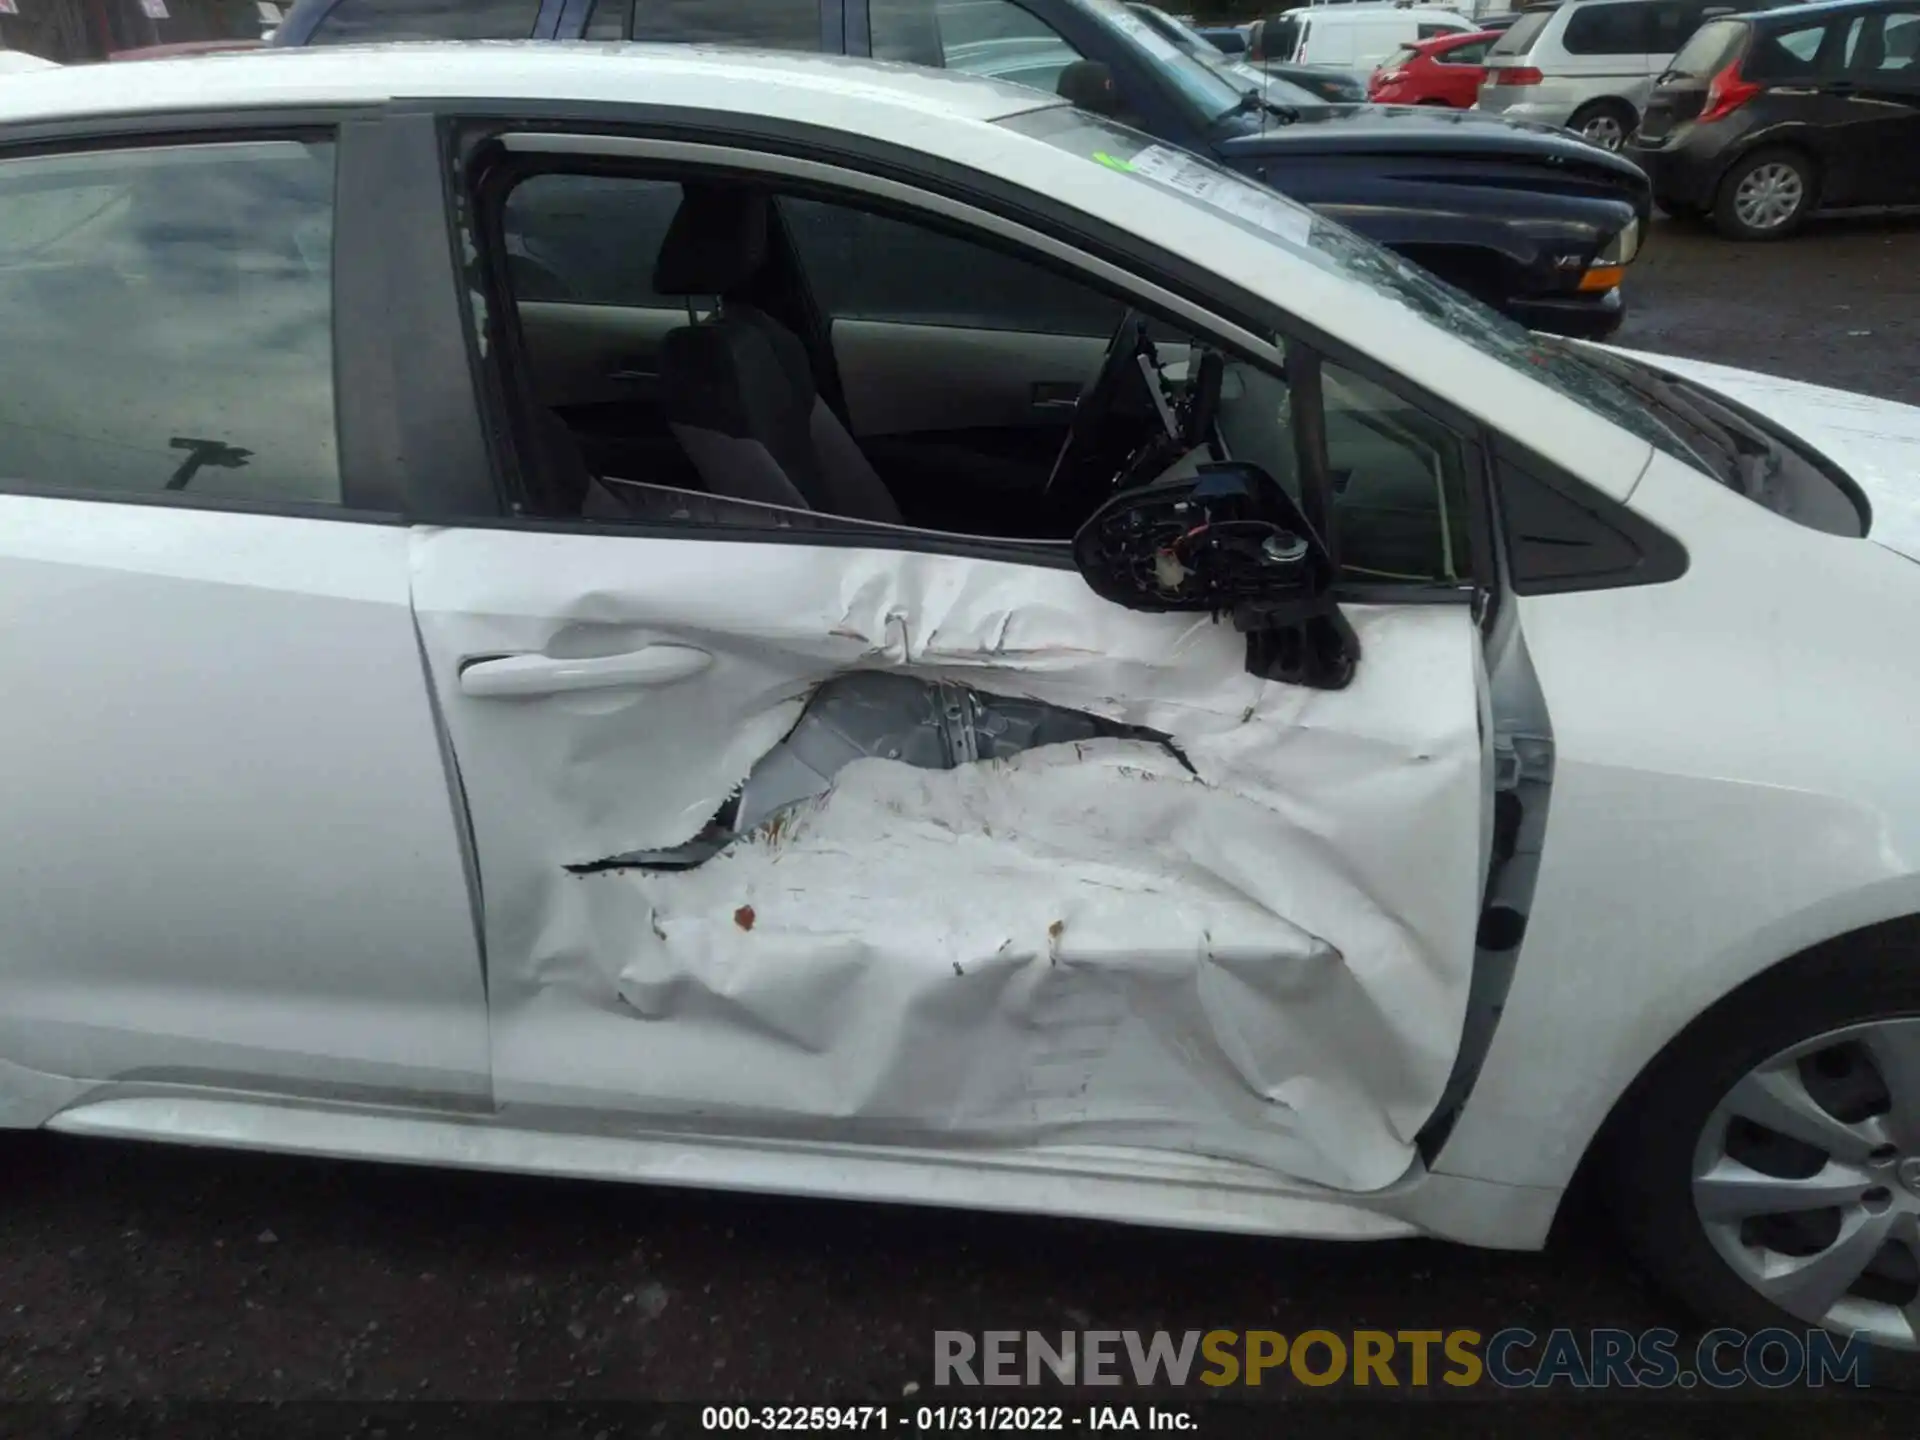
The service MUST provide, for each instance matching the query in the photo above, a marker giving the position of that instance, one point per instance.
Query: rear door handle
(513, 677)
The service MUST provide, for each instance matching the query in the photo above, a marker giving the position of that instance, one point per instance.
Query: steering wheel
(1095, 405)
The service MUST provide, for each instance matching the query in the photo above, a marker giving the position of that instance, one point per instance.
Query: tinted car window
(779, 24)
(608, 20)
(1784, 54)
(1671, 22)
(872, 267)
(1711, 49)
(1474, 54)
(355, 22)
(166, 321)
(1899, 47)
(589, 239)
(1607, 30)
(981, 37)
(1518, 37)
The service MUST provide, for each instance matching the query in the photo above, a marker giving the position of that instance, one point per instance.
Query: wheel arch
(1884, 915)
(1894, 940)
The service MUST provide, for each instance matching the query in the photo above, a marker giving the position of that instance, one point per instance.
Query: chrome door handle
(513, 677)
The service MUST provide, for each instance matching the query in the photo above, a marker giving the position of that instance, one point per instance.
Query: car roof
(1792, 13)
(856, 94)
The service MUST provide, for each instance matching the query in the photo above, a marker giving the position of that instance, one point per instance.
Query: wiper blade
(1251, 100)
(1677, 404)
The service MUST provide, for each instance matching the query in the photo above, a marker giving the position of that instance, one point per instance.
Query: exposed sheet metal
(1264, 957)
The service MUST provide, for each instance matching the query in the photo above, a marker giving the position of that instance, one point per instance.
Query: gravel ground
(129, 1272)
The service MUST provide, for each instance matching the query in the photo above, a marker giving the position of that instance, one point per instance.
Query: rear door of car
(232, 857)
(1881, 85)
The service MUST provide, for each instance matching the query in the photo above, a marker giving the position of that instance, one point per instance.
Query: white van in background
(1354, 37)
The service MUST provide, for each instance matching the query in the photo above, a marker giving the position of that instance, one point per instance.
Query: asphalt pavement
(135, 1273)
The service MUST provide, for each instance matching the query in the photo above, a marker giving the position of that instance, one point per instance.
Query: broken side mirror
(1229, 541)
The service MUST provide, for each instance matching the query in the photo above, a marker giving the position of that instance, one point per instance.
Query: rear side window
(166, 321)
(1518, 37)
(354, 22)
(776, 24)
(1474, 54)
(994, 38)
(1785, 54)
(1608, 30)
(1711, 49)
(608, 20)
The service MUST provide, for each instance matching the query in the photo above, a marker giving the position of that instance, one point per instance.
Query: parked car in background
(183, 48)
(1764, 119)
(1538, 225)
(1227, 39)
(1589, 64)
(736, 706)
(1289, 83)
(1446, 71)
(1354, 38)
(1272, 88)
(1334, 87)
(1499, 21)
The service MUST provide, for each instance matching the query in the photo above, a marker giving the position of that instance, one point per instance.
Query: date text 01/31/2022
(979, 1419)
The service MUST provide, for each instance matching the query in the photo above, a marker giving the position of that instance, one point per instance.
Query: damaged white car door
(872, 835)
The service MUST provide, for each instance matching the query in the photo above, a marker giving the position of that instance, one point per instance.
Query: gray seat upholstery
(738, 388)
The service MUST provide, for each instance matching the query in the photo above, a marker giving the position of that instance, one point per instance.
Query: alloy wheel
(1806, 1180)
(1769, 196)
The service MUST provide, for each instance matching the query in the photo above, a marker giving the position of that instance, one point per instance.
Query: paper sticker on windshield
(1224, 192)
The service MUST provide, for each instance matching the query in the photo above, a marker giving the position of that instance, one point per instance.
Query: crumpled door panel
(979, 859)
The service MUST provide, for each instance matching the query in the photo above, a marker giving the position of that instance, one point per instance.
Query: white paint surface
(1267, 962)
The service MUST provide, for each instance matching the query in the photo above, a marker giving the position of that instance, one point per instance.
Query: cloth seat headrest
(716, 243)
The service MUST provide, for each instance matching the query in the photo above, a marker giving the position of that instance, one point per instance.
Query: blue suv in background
(1531, 220)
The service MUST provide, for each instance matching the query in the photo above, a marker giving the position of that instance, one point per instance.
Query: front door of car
(231, 856)
(798, 829)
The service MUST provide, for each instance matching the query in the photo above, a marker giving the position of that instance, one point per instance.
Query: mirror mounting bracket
(1299, 642)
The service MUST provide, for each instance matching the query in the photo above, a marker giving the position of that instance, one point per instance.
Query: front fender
(1730, 789)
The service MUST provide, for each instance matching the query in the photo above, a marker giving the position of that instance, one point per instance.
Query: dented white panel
(1262, 959)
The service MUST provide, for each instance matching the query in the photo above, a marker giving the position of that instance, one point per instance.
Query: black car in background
(1531, 220)
(1763, 119)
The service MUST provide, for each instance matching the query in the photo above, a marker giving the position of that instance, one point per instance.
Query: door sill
(1130, 1186)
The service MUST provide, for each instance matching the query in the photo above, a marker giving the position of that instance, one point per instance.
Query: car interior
(706, 347)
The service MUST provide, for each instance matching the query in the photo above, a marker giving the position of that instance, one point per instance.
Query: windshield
(1167, 173)
(1242, 76)
(1208, 91)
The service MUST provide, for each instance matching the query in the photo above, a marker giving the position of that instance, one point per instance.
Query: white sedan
(793, 625)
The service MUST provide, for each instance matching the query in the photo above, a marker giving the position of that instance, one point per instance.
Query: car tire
(1669, 1149)
(1766, 196)
(1606, 123)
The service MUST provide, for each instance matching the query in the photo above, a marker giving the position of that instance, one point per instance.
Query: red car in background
(1446, 71)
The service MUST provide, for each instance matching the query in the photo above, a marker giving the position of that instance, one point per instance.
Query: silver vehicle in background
(1589, 65)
